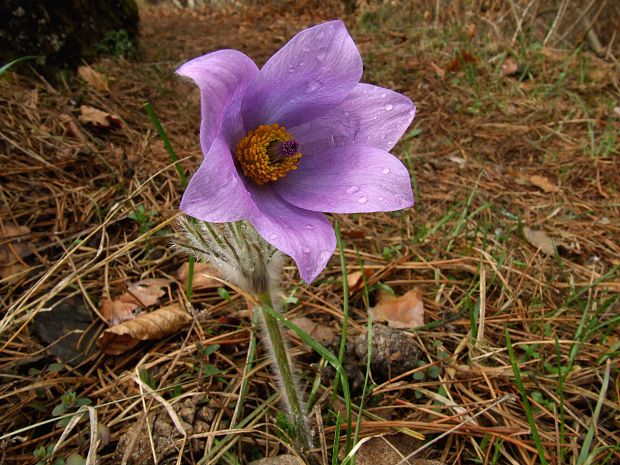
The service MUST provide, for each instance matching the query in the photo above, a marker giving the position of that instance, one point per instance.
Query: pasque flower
(299, 137)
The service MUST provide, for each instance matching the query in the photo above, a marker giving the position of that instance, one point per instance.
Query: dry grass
(477, 140)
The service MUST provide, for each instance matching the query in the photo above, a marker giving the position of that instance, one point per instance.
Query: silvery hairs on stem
(237, 252)
(245, 259)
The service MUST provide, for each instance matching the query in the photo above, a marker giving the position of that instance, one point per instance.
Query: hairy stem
(284, 371)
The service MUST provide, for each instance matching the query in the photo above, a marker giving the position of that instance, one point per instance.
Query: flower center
(267, 153)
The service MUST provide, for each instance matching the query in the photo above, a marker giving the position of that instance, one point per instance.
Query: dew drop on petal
(312, 86)
(411, 112)
(388, 107)
(382, 136)
(273, 237)
(386, 171)
(309, 227)
(380, 199)
(305, 249)
(382, 95)
(346, 113)
(362, 199)
(352, 190)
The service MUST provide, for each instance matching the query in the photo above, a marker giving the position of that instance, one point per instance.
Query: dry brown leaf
(321, 333)
(93, 78)
(356, 281)
(117, 311)
(146, 292)
(540, 240)
(509, 67)
(203, 276)
(102, 119)
(145, 327)
(13, 250)
(543, 183)
(140, 294)
(438, 71)
(470, 30)
(404, 312)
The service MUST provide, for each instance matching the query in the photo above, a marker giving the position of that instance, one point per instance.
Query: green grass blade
(587, 443)
(526, 403)
(10, 64)
(164, 137)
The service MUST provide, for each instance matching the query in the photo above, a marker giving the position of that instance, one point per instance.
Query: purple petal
(350, 179)
(216, 192)
(222, 77)
(370, 115)
(311, 74)
(306, 236)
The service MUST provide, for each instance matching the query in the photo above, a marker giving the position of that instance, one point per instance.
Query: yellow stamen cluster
(254, 159)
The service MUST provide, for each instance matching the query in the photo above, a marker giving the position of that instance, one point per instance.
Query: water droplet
(368, 138)
(309, 227)
(333, 139)
(380, 199)
(346, 113)
(374, 117)
(411, 112)
(382, 136)
(382, 95)
(386, 171)
(388, 107)
(362, 199)
(305, 249)
(352, 190)
(273, 237)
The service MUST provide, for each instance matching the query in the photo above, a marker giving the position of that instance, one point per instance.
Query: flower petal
(351, 179)
(222, 77)
(306, 78)
(370, 115)
(216, 192)
(306, 236)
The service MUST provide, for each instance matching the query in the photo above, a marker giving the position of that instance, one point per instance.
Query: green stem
(345, 303)
(284, 371)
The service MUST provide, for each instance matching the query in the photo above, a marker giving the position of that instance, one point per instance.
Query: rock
(65, 32)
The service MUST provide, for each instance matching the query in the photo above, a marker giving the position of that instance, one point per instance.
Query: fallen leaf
(146, 292)
(116, 311)
(461, 59)
(203, 276)
(544, 183)
(355, 280)
(540, 240)
(404, 312)
(509, 67)
(470, 30)
(93, 78)
(438, 71)
(141, 294)
(144, 327)
(72, 128)
(320, 332)
(13, 250)
(102, 119)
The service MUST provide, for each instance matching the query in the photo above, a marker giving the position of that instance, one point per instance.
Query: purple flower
(299, 137)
